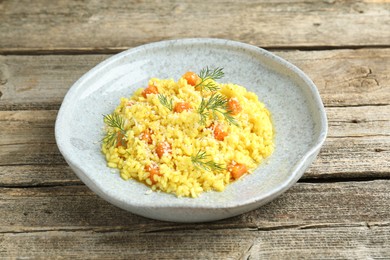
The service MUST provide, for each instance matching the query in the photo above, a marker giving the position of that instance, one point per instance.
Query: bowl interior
(296, 110)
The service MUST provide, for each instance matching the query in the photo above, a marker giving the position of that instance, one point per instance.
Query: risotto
(188, 136)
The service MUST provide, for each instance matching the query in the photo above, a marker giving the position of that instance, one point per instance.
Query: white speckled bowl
(298, 115)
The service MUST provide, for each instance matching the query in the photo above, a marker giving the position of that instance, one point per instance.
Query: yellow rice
(248, 143)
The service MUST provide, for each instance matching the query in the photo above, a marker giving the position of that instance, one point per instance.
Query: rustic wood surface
(340, 208)
(90, 26)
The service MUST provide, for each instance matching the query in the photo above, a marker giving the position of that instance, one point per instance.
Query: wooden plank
(352, 158)
(347, 77)
(27, 127)
(358, 146)
(341, 243)
(40, 82)
(302, 223)
(361, 121)
(37, 175)
(343, 122)
(324, 243)
(46, 26)
(304, 206)
(343, 77)
(126, 245)
(341, 158)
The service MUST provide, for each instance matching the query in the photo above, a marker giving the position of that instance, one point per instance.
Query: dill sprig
(111, 138)
(208, 78)
(216, 104)
(114, 120)
(164, 101)
(118, 132)
(199, 161)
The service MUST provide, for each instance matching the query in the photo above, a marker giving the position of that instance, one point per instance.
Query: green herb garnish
(216, 104)
(117, 133)
(164, 101)
(210, 76)
(199, 162)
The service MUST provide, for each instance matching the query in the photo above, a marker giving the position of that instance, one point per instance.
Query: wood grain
(347, 77)
(338, 210)
(104, 26)
(343, 77)
(340, 158)
(40, 82)
(305, 206)
(37, 175)
(358, 146)
(352, 158)
(324, 243)
(309, 220)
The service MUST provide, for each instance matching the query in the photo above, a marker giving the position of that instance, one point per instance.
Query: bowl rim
(295, 173)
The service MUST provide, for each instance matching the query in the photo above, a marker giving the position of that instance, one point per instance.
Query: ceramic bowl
(297, 112)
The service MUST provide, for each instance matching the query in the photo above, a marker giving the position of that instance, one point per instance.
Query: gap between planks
(204, 227)
(113, 51)
(77, 182)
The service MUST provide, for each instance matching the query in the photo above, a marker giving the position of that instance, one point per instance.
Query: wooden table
(339, 209)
